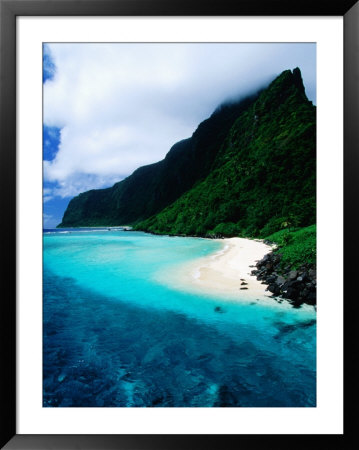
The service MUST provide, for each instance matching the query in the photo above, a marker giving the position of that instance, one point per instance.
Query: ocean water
(115, 336)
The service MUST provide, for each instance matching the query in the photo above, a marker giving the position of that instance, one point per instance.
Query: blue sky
(110, 108)
(54, 206)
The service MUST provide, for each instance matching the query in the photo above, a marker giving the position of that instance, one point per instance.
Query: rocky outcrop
(298, 286)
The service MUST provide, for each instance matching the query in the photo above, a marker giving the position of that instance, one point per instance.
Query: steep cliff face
(263, 177)
(151, 188)
(249, 169)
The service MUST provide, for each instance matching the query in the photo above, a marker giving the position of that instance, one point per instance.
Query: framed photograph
(173, 223)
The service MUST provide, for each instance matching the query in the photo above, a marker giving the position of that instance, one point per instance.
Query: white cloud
(47, 194)
(48, 220)
(121, 106)
(80, 182)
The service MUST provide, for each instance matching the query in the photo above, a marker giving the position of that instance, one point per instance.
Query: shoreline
(226, 273)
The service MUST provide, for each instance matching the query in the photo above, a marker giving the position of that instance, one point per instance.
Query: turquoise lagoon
(114, 335)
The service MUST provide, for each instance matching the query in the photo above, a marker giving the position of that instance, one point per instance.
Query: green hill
(263, 177)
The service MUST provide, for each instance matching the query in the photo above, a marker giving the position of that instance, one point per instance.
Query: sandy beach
(228, 272)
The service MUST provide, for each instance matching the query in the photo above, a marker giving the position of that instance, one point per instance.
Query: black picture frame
(9, 10)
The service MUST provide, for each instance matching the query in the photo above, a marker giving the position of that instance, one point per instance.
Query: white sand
(222, 273)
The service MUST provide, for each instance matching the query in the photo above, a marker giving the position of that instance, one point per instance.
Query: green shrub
(227, 229)
(297, 247)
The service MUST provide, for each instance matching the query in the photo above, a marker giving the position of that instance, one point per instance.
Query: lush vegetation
(295, 246)
(263, 177)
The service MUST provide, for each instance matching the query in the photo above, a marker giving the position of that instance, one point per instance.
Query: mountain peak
(298, 80)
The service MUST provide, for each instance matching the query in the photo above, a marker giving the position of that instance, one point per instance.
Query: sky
(111, 108)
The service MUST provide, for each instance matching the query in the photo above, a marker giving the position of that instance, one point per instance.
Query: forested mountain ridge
(263, 177)
(247, 170)
(151, 188)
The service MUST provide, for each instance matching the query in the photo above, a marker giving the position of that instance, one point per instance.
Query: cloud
(47, 194)
(121, 106)
(48, 220)
(80, 182)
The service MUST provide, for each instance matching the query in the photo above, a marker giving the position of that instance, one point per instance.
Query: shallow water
(115, 336)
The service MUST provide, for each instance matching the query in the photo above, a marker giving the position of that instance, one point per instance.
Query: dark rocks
(274, 288)
(242, 288)
(296, 285)
(312, 298)
(312, 273)
(243, 283)
(293, 274)
(218, 309)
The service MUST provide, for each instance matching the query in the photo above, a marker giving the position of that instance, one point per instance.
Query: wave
(82, 231)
